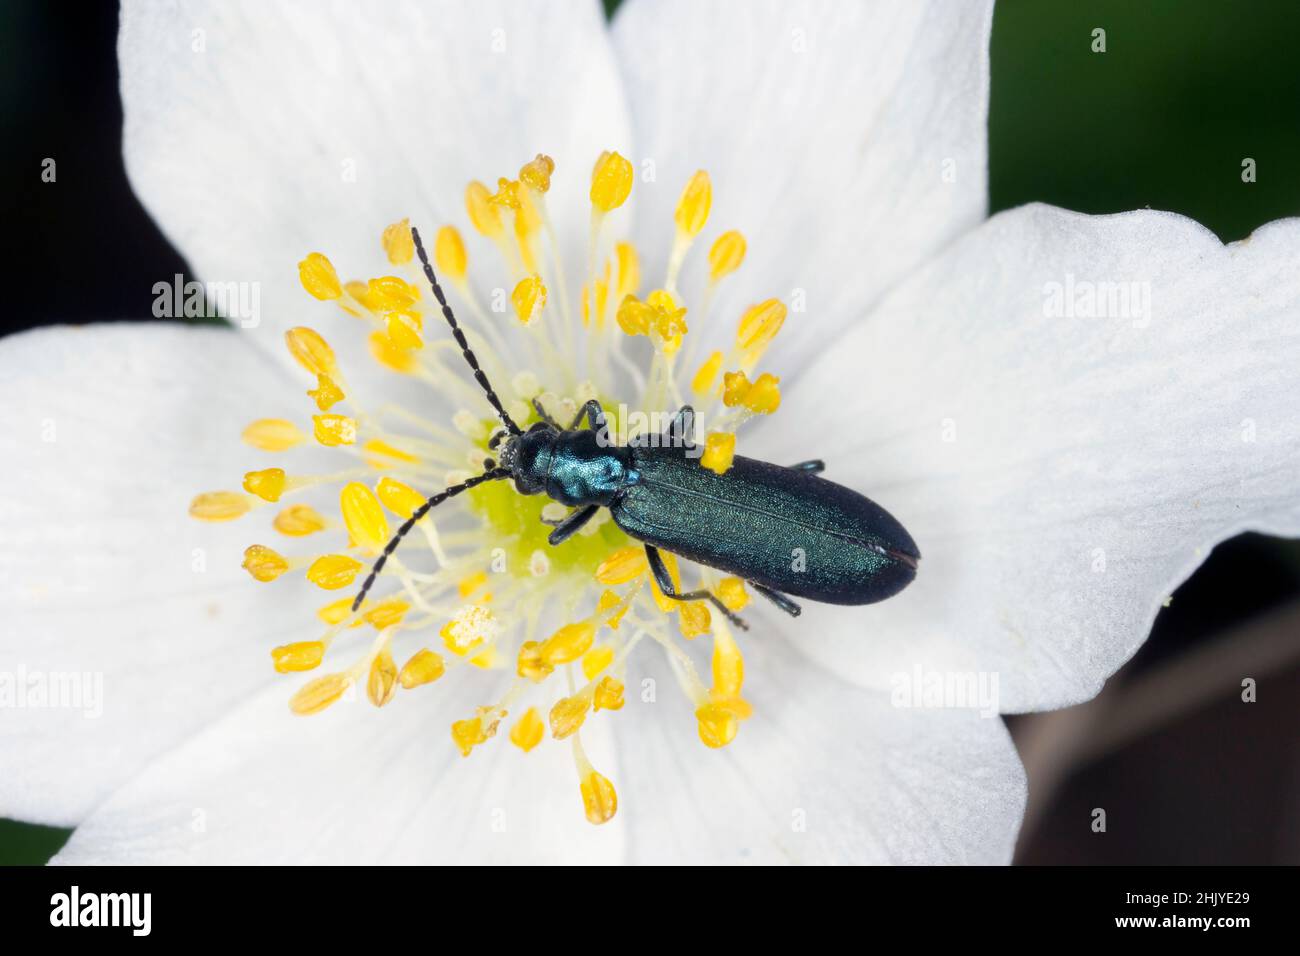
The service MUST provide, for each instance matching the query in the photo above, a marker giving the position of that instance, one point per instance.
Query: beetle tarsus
(669, 590)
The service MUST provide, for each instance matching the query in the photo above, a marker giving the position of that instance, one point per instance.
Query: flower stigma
(475, 592)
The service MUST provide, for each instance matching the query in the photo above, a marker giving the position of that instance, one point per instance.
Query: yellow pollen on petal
(623, 565)
(536, 174)
(599, 799)
(273, 434)
(219, 506)
(568, 643)
(387, 354)
(302, 656)
(719, 451)
(381, 683)
(568, 714)
(693, 207)
(263, 563)
(704, 379)
(528, 730)
(483, 215)
(332, 430)
(596, 660)
(611, 182)
(694, 619)
(760, 324)
(398, 244)
(298, 521)
(363, 516)
(319, 278)
(450, 255)
(400, 499)
(267, 483)
(529, 298)
(326, 393)
(424, 667)
(386, 613)
(726, 254)
(311, 351)
(608, 694)
(318, 694)
(333, 571)
(731, 592)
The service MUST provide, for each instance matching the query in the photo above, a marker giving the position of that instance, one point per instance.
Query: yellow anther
(381, 685)
(528, 730)
(471, 583)
(390, 292)
(386, 613)
(667, 604)
(331, 430)
(467, 734)
(507, 194)
(622, 566)
(333, 571)
(450, 255)
(629, 270)
(404, 329)
(318, 694)
(267, 483)
(634, 316)
(319, 278)
(717, 725)
(704, 379)
(726, 254)
(611, 181)
(483, 215)
(669, 319)
(326, 393)
(311, 351)
(400, 499)
(536, 174)
(298, 521)
(424, 667)
(731, 592)
(764, 395)
(596, 660)
(728, 667)
(387, 354)
(273, 434)
(719, 451)
(379, 454)
(759, 325)
(302, 656)
(336, 612)
(599, 799)
(398, 245)
(363, 516)
(529, 298)
(219, 506)
(601, 287)
(608, 694)
(568, 643)
(735, 386)
(693, 206)
(357, 289)
(530, 663)
(568, 714)
(694, 620)
(472, 626)
(263, 563)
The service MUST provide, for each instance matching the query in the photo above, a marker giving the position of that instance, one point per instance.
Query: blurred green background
(1184, 92)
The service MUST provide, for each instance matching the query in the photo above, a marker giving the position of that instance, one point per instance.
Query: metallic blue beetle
(785, 531)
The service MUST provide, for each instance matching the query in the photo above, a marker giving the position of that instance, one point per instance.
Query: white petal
(1060, 474)
(111, 430)
(845, 140)
(822, 773)
(258, 132)
(350, 785)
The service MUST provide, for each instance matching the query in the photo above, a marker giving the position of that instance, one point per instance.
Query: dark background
(1186, 89)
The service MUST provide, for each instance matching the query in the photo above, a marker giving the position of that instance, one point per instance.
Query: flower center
(476, 590)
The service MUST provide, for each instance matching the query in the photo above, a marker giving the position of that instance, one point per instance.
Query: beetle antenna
(479, 374)
(493, 474)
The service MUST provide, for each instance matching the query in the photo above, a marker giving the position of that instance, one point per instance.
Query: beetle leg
(681, 428)
(543, 413)
(594, 414)
(814, 467)
(569, 525)
(669, 590)
(777, 598)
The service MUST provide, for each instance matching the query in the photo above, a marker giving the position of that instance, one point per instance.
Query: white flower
(1063, 461)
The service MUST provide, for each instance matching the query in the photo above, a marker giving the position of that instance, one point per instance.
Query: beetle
(786, 531)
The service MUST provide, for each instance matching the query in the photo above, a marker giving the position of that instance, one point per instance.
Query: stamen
(263, 563)
(333, 571)
(528, 731)
(424, 667)
(219, 506)
(363, 517)
(273, 434)
(303, 656)
(298, 521)
(319, 278)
